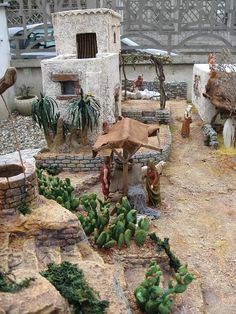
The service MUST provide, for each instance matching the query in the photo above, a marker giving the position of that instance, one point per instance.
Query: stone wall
(75, 163)
(63, 238)
(174, 90)
(15, 190)
(158, 116)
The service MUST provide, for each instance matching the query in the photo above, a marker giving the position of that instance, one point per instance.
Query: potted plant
(24, 100)
(84, 113)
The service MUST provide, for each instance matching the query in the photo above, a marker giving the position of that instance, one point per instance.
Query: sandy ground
(199, 190)
(198, 214)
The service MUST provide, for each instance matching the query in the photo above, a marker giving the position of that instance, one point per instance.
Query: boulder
(40, 297)
(49, 234)
(109, 283)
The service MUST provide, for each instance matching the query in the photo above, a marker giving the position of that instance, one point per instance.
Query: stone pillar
(5, 60)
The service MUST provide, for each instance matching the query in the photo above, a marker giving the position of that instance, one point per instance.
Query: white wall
(29, 72)
(5, 62)
(173, 73)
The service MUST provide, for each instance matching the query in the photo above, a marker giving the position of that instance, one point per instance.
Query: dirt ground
(198, 215)
(198, 190)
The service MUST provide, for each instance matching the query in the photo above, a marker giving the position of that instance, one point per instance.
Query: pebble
(29, 135)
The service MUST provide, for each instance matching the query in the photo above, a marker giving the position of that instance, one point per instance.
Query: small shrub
(24, 208)
(70, 282)
(7, 285)
(174, 262)
(53, 170)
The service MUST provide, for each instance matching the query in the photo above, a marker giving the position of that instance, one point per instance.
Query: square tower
(81, 30)
(87, 46)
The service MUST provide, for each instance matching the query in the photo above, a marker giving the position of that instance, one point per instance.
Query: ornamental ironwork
(182, 26)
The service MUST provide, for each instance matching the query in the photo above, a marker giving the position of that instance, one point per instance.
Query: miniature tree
(157, 60)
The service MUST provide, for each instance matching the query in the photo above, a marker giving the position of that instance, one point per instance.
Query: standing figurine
(137, 84)
(105, 177)
(153, 184)
(185, 130)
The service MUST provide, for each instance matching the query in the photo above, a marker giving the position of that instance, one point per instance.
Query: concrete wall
(29, 72)
(5, 61)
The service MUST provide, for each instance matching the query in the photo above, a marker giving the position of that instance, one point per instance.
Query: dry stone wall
(16, 189)
(76, 163)
(174, 90)
(158, 116)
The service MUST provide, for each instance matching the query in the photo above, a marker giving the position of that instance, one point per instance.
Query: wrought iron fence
(184, 26)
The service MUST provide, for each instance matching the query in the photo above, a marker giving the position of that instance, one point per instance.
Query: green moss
(24, 208)
(70, 282)
(7, 285)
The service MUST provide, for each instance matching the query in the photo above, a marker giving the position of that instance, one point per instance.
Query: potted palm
(24, 100)
(84, 113)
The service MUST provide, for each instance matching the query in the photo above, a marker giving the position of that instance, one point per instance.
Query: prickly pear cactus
(154, 299)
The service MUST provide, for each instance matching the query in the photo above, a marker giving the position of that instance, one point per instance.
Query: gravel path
(29, 135)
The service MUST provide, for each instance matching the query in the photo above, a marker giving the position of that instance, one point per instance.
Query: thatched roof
(127, 134)
(221, 90)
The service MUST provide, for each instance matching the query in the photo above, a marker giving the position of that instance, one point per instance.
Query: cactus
(127, 236)
(142, 296)
(88, 228)
(109, 244)
(157, 300)
(151, 307)
(140, 236)
(132, 216)
(58, 190)
(120, 228)
(125, 203)
(180, 288)
(132, 227)
(101, 240)
(74, 203)
(188, 278)
(144, 224)
(120, 240)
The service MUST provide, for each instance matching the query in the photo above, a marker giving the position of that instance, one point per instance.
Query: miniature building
(88, 45)
(205, 108)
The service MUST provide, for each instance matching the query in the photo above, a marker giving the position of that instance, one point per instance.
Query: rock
(49, 234)
(105, 280)
(40, 297)
(4, 243)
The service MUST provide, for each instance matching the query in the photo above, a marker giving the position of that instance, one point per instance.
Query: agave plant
(43, 114)
(84, 113)
(25, 92)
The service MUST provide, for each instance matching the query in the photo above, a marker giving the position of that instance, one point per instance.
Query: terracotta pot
(24, 106)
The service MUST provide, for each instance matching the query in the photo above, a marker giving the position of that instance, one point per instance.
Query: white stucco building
(87, 46)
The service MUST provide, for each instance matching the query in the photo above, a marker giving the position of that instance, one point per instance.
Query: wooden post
(125, 177)
(125, 172)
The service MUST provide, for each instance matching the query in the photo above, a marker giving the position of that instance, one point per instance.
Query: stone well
(18, 184)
